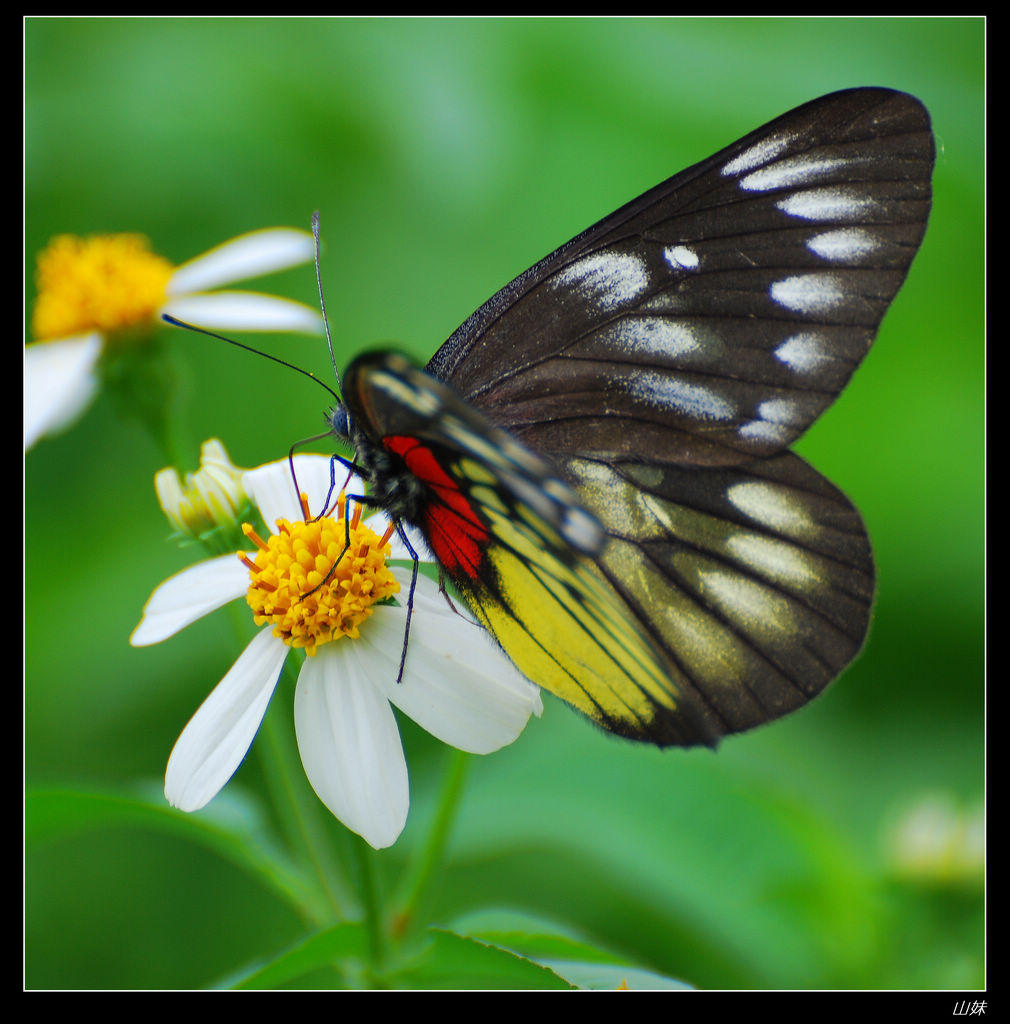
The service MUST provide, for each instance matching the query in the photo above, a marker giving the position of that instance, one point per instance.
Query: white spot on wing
(749, 602)
(771, 506)
(609, 279)
(761, 430)
(804, 353)
(778, 410)
(775, 422)
(680, 257)
(594, 474)
(760, 153)
(653, 335)
(849, 244)
(809, 293)
(666, 391)
(800, 170)
(829, 204)
(776, 559)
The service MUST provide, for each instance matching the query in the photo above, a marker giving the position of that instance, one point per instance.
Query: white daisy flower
(455, 684)
(93, 290)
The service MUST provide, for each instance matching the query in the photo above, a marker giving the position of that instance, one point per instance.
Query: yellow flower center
(313, 584)
(104, 283)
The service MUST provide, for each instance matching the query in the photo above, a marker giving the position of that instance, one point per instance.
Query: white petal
(188, 596)
(217, 737)
(350, 745)
(244, 311)
(251, 255)
(273, 491)
(59, 382)
(456, 683)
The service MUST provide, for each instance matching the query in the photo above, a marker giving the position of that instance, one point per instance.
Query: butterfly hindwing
(756, 580)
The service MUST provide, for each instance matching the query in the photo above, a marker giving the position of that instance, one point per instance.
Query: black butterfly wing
(666, 358)
(711, 320)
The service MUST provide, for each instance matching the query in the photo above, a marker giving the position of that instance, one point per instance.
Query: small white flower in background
(99, 290)
(456, 684)
(935, 840)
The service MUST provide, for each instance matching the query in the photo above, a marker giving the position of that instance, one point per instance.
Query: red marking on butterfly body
(455, 531)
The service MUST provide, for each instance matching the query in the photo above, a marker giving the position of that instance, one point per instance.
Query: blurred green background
(446, 156)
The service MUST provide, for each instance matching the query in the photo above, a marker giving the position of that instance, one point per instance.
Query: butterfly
(598, 457)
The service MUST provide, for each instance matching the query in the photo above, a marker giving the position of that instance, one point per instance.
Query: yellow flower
(106, 283)
(100, 291)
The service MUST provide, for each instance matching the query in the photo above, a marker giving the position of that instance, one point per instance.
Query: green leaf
(582, 963)
(231, 828)
(442, 960)
(453, 961)
(344, 947)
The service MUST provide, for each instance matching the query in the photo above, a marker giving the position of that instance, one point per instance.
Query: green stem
(417, 890)
(297, 809)
(364, 861)
(142, 383)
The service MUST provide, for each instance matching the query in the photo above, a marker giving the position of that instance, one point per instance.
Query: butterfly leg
(445, 593)
(410, 597)
(347, 541)
(361, 499)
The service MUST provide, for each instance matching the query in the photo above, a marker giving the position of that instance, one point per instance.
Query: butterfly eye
(340, 422)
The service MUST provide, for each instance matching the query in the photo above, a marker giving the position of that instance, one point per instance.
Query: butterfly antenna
(255, 351)
(359, 498)
(322, 300)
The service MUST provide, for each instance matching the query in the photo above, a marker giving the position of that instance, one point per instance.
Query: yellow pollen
(255, 537)
(103, 283)
(295, 587)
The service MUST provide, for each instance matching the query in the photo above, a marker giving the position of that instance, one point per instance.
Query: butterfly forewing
(715, 317)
